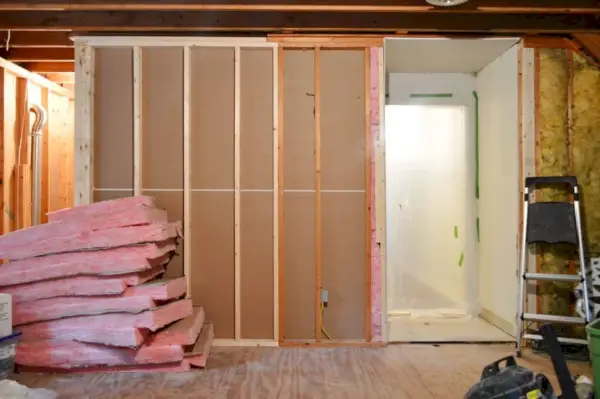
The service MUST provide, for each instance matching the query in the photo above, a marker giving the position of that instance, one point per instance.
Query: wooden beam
(512, 6)
(328, 41)
(60, 77)
(297, 21)
(49, 67)
(318, 198)
(31, 54)
(276, 111)
(84, 127)
(18, 39)
(588, 45)
(546, 42)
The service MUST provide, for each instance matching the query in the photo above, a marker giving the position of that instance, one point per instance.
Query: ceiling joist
(19, 39)
(202, 21)
(30, 54)
(492, 6)
(49, 67)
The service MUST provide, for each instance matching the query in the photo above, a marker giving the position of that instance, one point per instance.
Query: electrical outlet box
(324, 297)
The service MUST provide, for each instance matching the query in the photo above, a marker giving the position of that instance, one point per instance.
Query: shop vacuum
(515, 382)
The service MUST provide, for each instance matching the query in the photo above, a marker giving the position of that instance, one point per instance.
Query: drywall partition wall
(225, 134)
(20, 90)
(448, 254)
(325, 192)
(499, 184)
(191, 122)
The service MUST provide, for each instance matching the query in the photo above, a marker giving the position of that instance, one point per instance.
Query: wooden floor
(398, 371)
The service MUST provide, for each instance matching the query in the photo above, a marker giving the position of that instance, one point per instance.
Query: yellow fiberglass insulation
(553, 160)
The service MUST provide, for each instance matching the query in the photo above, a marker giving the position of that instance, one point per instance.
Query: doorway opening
(443, 103)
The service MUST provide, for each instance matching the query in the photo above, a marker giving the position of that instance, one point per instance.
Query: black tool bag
(510, 382)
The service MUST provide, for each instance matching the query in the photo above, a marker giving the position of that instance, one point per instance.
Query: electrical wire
(323, 329)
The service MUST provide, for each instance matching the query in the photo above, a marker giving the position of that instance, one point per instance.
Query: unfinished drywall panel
(553, 160)
(585, 113)
(113, 121)
(299, 194)
(162, 134)
(212, 184)
(256, 201)
(342, 117)
(499, 182)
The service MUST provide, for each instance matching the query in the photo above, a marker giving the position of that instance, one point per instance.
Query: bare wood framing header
(172, 41)
(35, 78)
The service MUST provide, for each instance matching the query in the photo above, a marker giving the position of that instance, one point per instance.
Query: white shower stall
(451, 127)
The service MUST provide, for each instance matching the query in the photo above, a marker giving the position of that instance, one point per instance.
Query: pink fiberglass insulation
(68, 354)
(100, 208)
(123, 336)
(160, 290)
(94, 240)
(175, 367)
(374, 103)
(140, 215)
(81, 286)
(153, 320)
(113, 261)
(198, 354)
(183, 332)
(56, 308)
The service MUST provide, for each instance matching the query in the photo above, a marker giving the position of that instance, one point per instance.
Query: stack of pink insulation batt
(88, 292)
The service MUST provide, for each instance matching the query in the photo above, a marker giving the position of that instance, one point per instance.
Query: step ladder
(552, 223)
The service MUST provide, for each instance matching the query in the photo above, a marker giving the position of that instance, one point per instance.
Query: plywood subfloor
(438, 329)
(398, 371)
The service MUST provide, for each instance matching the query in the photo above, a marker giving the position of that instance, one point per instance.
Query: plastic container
(8, 346)
(593, 332)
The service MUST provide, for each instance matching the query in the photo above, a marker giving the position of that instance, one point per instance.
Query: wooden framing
(368, 145)
(84, 125)
(236, 193)
(380, 197)
(280, 300)
(84, 155)
(187, 209)
(527, 140)
(318, 199)
(137, 121)
(374, 147)
(277, 209)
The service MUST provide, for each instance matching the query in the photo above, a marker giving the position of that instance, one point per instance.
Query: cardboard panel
(298, 117)
(110, 195)
(343, 272)
(298, 207)
(256, 265)
(256, 167)
(162, 118)
(299, 261)
(343, 214)
(212, 118)
(212, 165)
(212, 259)
(172, 202)
(113, 118)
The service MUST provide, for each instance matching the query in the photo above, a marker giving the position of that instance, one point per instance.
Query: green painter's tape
(461, 260)
(433, 95)
(476, 97)
(478, 234)
(455, 231)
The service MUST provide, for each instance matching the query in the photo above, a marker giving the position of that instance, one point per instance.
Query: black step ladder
(552, 223)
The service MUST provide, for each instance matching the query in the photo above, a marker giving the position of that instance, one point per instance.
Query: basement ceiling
(438, 55)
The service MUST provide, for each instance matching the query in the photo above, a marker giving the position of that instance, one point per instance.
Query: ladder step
(575, 278)
(538, 337)
(553, 319)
